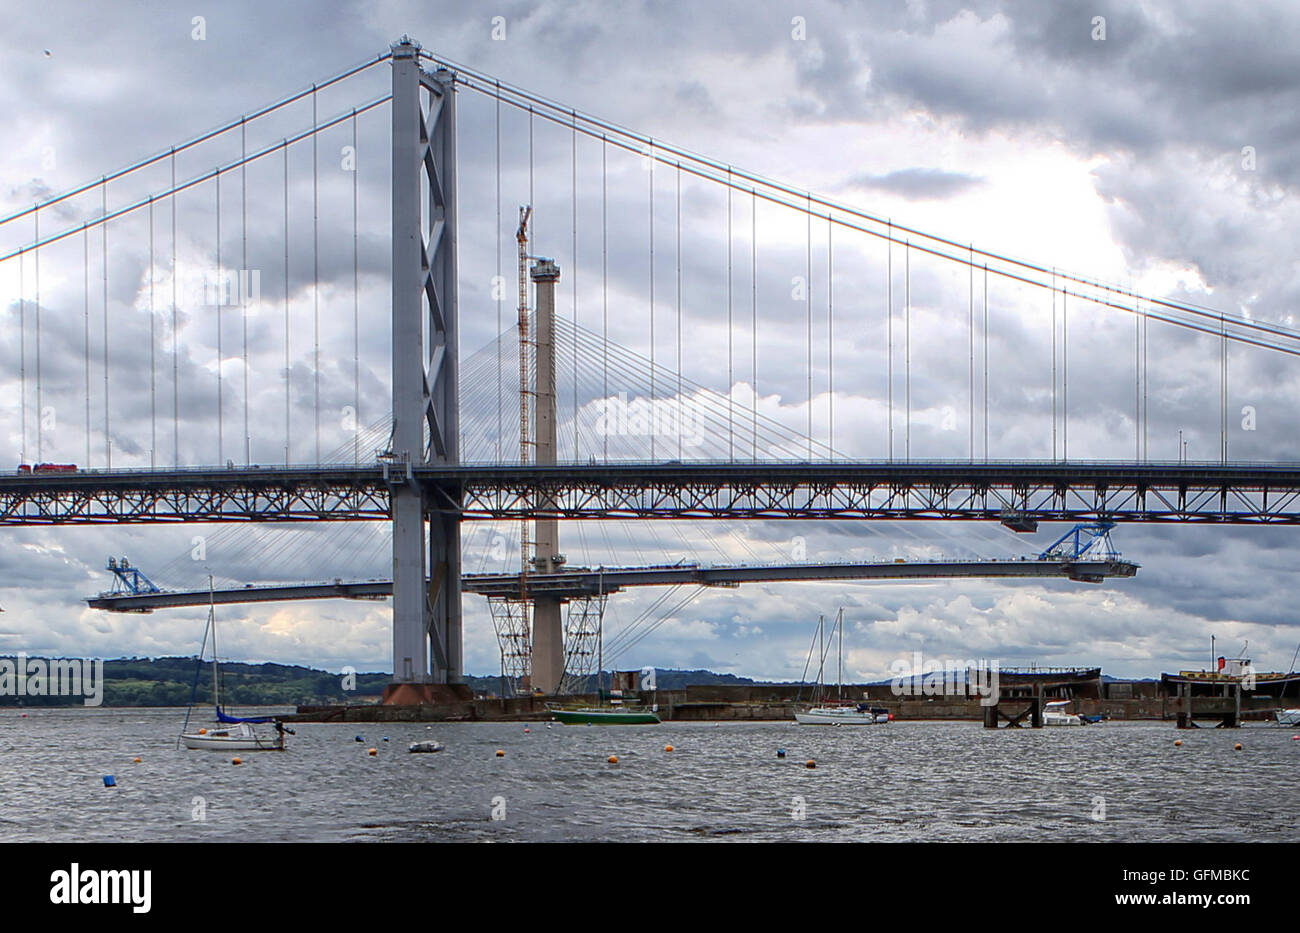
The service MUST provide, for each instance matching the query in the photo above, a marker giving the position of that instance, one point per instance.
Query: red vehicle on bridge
(47, 468)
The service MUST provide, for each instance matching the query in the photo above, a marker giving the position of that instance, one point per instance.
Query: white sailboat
(232, 733)
(839, 713)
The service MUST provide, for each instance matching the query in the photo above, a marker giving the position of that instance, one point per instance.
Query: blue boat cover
(222, 717)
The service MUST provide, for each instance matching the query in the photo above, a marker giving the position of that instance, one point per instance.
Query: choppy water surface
(911, 781)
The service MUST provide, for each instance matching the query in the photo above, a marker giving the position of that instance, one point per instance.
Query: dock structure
(1032, 708)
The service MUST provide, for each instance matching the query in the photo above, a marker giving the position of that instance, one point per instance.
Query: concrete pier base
(424, 694)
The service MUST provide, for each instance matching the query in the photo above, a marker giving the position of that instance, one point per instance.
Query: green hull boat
(604, 717)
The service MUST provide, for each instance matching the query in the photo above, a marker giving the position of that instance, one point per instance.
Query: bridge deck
(579, 582)
(983, 491)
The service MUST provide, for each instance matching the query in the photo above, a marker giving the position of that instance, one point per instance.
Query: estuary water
(906, 781)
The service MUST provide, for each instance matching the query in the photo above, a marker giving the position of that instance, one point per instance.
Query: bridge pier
(548, 615)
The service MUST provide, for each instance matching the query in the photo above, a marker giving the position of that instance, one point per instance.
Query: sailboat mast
(839, 670)
(212, 623)
(821, 657)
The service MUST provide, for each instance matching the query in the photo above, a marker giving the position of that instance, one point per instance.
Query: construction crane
(525, 432)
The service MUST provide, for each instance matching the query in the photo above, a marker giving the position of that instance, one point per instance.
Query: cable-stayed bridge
(222, 341)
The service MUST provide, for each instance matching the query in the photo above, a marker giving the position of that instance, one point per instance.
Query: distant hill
(173, 681)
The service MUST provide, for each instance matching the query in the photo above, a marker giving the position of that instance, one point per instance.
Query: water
(907, 781)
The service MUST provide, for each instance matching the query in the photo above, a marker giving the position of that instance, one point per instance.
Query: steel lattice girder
(1215, 494)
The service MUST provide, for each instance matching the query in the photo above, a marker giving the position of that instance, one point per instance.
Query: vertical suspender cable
(315, 266)
(85, 323)
(108, 437)
(753, 308)
(889, 328)
(1222, 380)
(970, 338)
(286, 304)
(907, 349)
(830, 335)
(653, 414)
(1146, 414)
(986, 361)
(604, 291)
(808, 310)
(22, 351)
(1137, 382)
(176, 368)
(500, 282)
(153, 372)
(1054, 378)
(244, 283)
(40, 412)
(220, 303)
(574, 277)
(680, 432)
(356, 301)
(1065, 374)
(731, 380)
(531, 201)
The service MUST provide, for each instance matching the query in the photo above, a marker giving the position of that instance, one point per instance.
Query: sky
(1149, 145)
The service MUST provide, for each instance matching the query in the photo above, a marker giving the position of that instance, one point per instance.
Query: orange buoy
(372, 753)
(135, 761)
(203, 731)
(1178, 743)
(612, 759)
(1237, 747)
(236, 761)
(810, 764)
(668, 748)
(500, 753)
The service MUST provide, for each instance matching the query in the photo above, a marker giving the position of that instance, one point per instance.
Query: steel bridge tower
(427, 646)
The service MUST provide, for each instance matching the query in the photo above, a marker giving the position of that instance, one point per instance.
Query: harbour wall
(765, 703)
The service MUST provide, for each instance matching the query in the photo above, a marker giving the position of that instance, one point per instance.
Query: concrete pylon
(548, 624)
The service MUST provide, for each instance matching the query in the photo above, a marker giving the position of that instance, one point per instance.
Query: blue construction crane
(128, 579)
(1089, 539)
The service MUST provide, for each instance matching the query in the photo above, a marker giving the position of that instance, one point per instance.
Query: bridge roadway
(596, 581)
(1016, 493)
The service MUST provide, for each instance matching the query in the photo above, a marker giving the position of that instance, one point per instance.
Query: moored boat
(823, 711)
(604, 716)
(232, 733)
(425, 747)
(238, 737)
(861, 715)
(1056, 714)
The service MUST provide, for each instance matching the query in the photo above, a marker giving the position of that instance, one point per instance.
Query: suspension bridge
(235, 346)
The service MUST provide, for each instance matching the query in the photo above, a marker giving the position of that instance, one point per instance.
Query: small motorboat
(236, 737)
(1288, 717)
(426, 747)
(1056, 714)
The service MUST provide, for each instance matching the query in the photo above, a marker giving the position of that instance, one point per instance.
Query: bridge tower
(548, 628)
(427, 647)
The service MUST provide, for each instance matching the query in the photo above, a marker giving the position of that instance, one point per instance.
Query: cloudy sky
(1150, 145)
